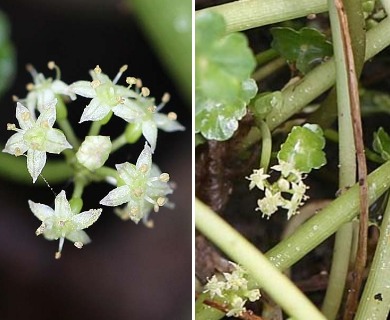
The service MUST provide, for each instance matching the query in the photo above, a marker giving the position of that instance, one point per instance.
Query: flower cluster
(288, 192)
(232, 289)
(141, 187)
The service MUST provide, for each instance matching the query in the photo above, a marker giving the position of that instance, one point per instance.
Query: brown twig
(361, 257)
(247, 315)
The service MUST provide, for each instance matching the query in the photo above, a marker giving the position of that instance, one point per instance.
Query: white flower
(106, 95)
(149, 117)
(236, 307)
(269, 204)
(257, 179)
(214, 287)
(62, 223)
(142, 187)
(44, 90)
(286, 169)
(94, 151)
(298, 197)
(36, 137)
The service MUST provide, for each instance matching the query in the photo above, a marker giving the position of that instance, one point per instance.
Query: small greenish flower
(149, 118)
(44, 90)
(61, 223)
(215, 287)
(106, 95)
(236, 307)
(257, 179)
(142, 187)
(94, 151)
(287, 169)
(36, 137)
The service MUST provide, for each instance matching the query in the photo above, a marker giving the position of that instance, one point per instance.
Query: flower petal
(94, 111)
(125, 92)
(87, 218)
(145, 159)
(16, 145)
(41, 211)
(62, 206)
(117, 197)
(127, 171)
(44, 97)
(79, 236)
(149, 130)
(164, 123)
(61, 87)
(48, 114)
(83, 88)
(24, 117)
(56, 141)
(35, 162)
(128, 111)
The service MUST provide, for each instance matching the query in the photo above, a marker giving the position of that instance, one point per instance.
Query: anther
(161, 201)
(138, 192)
(152, 109)
(25, 116)
(30, 86)
(95, 83)
(131, 80)
(138, 83)
(123, 68)
(57, 255)
(52, 65)
(166, 97)
(97, 69)
(78, 244)
(145, 91)
(172, 116)
(18, 152)
(164, 177)
(15, 98)
(143, 168)
(40, 230)
(11, 126)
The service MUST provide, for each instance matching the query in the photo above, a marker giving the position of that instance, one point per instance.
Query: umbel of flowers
(43, 128)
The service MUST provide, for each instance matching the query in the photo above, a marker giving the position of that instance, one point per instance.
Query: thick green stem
(375, 301)
(269, 69)
(95, 128)
(347, 172)
(314, 231)
(69, 133)
(258, 266)
(247, 14)
(266, 148)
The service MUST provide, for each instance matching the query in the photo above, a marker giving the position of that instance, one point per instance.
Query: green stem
(316, 82)
(268, 69)
(118, 143)
(314, 231)
(266, 149)
(347, 172)
(375, 301)
(243, 15)
(69, 133)
(78, 190)
(257, 265)
(266, 56)
(107, 172)
(95, 128)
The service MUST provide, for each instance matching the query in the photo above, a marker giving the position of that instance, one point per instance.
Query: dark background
(128, 271)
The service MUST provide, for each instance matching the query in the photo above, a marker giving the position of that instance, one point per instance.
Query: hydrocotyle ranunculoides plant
(141, 187)
(298, 155)
(223, 88)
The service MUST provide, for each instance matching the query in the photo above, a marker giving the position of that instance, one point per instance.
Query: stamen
(119, 74)
(11, 126)
(18, 152)
(97, 69)
(78, 244)
(134, 211)
(57, 255)
(148, 223)
(130, 81)
(143, 168)
(166, 97)
(15, 98)
(26, 116)
(52, 65)
(145, 91)
(164, 177)
(138, 192)
(156, 207)
(30, 68)
(30, 86)
(161, 201)
(152, 109)
(40, 230)
(45, 124)
(120, 100)
(138, 84)
(172, 116)
(95, 83)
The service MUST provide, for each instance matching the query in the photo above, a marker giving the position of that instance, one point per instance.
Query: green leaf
(7, 56)
(304, 48)
(381, 143)
(223, 64)
(303, 148)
